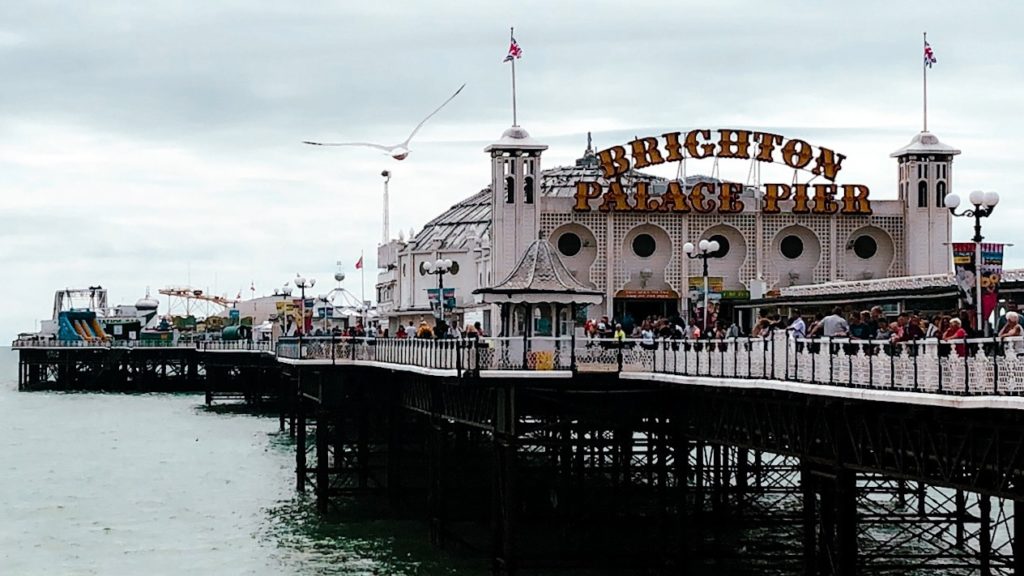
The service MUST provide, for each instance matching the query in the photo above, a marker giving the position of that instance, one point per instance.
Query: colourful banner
(991, 273)
(963, 266)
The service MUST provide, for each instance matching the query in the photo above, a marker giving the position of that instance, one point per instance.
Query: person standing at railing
(1012, 329)
(647, 336)
(956, 332)
(619, 335)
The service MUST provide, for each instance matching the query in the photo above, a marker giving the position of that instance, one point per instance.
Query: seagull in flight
(398, 151)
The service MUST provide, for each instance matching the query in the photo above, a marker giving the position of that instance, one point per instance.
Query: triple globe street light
(703, 250)
(984, 204)
(439, 267)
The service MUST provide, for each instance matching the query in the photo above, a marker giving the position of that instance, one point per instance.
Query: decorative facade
(635, 259)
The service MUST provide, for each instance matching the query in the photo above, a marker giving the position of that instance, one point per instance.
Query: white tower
(515, 195)
(926, 177)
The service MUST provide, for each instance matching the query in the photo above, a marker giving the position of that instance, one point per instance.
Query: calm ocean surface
(118, 484)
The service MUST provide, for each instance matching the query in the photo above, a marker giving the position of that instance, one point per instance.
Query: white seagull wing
(429, 116)
(378, 146)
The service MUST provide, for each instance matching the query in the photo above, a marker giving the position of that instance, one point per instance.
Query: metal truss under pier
(249, 375)
(643, 477)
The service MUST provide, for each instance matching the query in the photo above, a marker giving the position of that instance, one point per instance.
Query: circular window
(569, 244)
(792, 247)
(723, 246)
(644, 245)
(865, 246)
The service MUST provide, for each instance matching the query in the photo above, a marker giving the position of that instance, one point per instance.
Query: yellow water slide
(80, 329)
(98, 330)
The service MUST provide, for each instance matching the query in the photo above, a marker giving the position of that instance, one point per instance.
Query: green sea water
(147, 484)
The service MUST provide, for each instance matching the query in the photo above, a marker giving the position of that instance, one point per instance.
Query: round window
(644, 245)
(723, 246)
(569, 244)
(792, 247)
(865, 246)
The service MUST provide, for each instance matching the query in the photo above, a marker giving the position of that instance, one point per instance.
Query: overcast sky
(146, 144)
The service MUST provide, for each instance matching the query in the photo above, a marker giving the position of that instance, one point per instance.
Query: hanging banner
(963, 266)
(991, 273)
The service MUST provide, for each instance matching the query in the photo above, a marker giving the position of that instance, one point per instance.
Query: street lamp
(704, 249)
(440, 267)
(302, 283)
(325, 305)
(984, 204)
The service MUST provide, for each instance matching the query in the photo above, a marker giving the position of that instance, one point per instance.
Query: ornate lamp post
(440, 267)
(302, 283)
(984, 204)
(704, 249)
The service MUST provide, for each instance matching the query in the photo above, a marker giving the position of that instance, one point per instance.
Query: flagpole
(512, 38)
(362, 287)
(924, 68)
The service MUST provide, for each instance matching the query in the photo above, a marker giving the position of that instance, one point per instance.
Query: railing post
(995, 364)
(458, 357)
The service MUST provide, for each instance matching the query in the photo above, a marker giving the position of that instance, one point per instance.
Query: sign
(991, 273)
(449, 297)
(723, 197)
(716, 284)
(234, 315)
(963, 265)
(647, 294)
(736, 295)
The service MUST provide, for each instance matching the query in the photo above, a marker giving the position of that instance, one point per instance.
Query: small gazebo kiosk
(539, 299)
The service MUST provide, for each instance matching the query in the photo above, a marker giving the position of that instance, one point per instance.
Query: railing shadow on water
(975, 366)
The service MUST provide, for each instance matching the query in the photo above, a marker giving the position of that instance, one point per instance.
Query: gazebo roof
(540, 276)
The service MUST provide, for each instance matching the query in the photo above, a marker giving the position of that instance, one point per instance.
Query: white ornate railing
(982, 366)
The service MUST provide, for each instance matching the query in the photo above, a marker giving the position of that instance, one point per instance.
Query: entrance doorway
(637, 309)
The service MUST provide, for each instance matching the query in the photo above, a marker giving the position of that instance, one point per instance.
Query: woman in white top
(1013, 329)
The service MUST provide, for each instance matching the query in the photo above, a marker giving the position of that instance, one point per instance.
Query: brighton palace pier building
(621, 232)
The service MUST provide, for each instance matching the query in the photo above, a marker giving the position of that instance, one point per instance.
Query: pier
(811, 457)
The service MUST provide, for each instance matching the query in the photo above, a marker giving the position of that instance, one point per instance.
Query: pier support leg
(810, 521)
(323, 483)
(300, 442)
(1018, 544)
(503, 515)
(846, 523)
(436, 473)
(985, 535)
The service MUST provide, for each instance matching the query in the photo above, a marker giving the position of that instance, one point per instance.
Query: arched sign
(724, 197)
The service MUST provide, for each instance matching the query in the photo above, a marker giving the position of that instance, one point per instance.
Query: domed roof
(541, 273)
(925, 143)
(147, 304)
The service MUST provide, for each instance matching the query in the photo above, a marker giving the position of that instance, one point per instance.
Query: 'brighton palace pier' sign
(703, 197)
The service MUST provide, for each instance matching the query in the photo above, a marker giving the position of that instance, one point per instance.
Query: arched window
(940, 194)
(922, 194)
(528, 189)
(510, 190)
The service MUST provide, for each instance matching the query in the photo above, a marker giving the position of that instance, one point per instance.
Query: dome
(515, 132)
(925, 143)
(147, 304)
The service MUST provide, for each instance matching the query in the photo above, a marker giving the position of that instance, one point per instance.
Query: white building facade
(635, 257)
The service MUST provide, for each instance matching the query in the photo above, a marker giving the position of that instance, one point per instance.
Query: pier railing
(205, 345)
(976, 366)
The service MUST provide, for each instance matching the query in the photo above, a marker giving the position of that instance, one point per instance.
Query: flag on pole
(929, 56)
(514, 51)
(359, 264)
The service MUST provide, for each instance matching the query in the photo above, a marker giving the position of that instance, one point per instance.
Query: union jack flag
(929, 56)
(514, 51)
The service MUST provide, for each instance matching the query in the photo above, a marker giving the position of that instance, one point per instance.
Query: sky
(154, 144)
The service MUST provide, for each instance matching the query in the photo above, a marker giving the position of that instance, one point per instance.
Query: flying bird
(398, 151)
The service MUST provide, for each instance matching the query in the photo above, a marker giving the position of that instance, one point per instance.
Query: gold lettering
(729, 201)
(674, 199)
(828, 164)
(641, 197)
(800, 199)
(645, 152)
(855, 199)
(615, 199)
(707, 149)
(672, 146)
(585, 192)
(773, 194)
(733, 144)
(697, 197)
(613, 161)
(796, 154)
(824, 199)
(767, 143)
